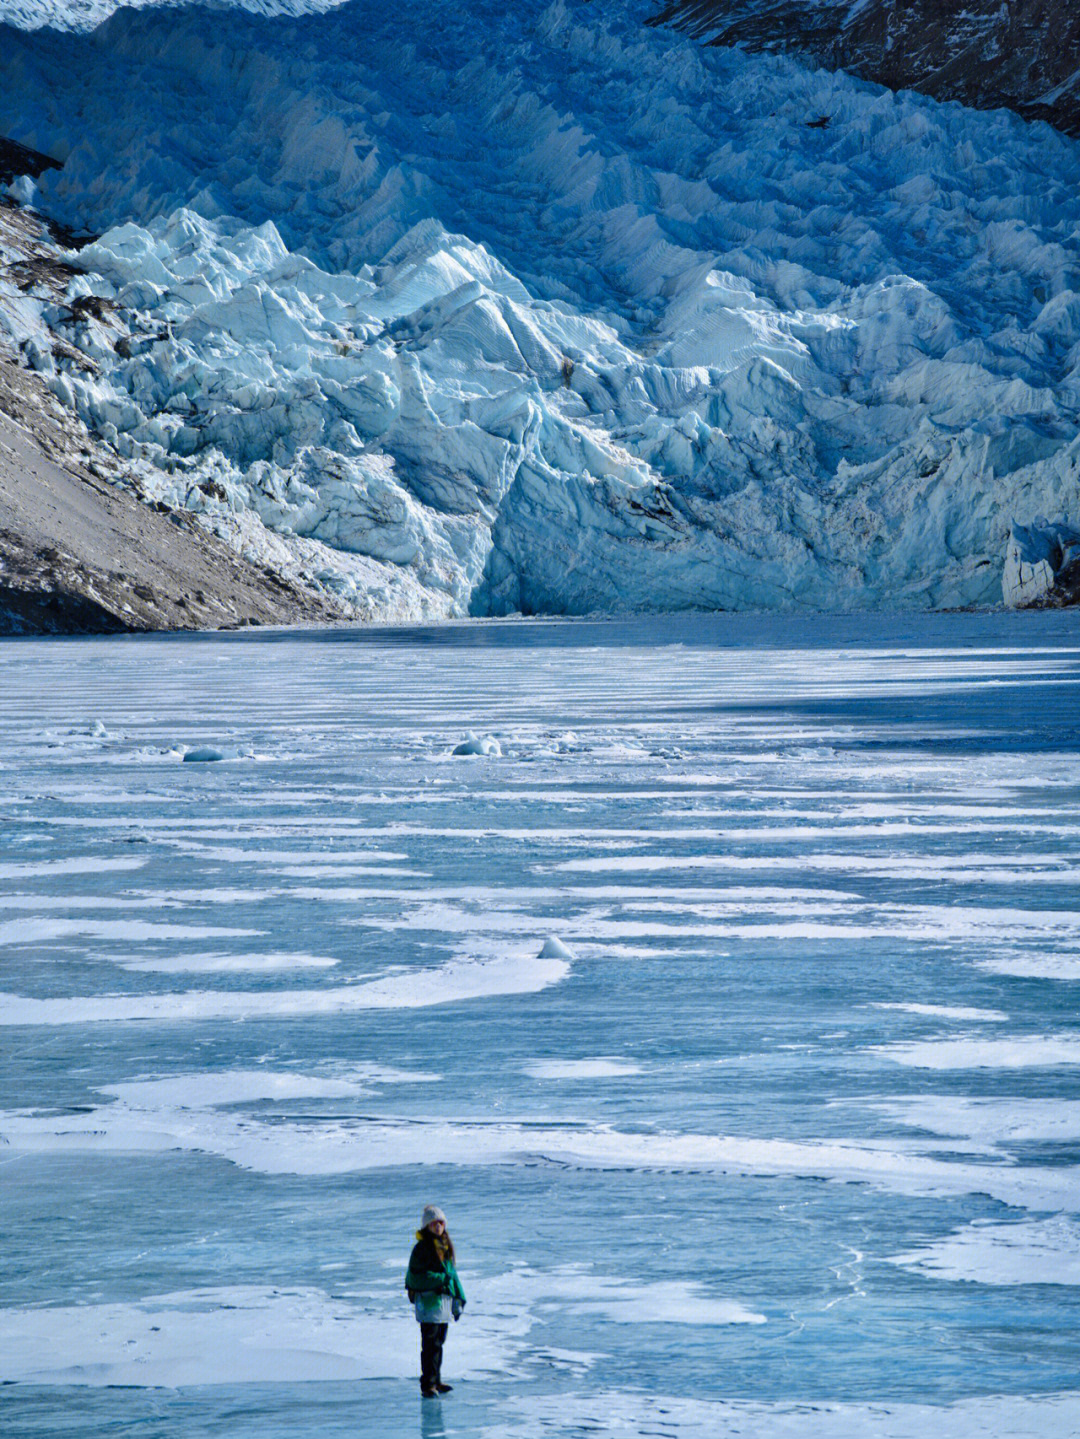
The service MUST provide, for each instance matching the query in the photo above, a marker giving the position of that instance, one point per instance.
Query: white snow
(1043, 1251)
(456, 981)
(599, 1068)
(223, 962)
(1034, 1051)
(36, 930)
(580, 1289)
(75, 864)
(212, 1089)
(946, 1011)
(561, 314)
(1006, 1120)
(1033, 966)
(367, 1144)
(237, 1334)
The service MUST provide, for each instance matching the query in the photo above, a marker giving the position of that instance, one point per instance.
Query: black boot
(431, 1343)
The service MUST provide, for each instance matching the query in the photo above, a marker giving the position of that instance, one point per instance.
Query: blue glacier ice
(475, 310)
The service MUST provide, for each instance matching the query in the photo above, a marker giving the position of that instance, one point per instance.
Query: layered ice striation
(1042, 564)
(535, 308)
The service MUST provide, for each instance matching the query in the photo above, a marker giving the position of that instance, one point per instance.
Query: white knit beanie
(431, 1214)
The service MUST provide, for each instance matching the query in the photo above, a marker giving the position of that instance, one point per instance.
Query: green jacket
(431, 1276)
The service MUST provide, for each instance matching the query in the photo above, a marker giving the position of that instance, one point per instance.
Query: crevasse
(539, 309)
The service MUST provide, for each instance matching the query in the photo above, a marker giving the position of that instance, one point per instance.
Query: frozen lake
(786, 1146)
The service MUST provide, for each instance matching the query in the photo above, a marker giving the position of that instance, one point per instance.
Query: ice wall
(545, 310)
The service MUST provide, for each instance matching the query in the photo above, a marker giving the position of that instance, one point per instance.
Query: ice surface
(676, 1165)
(562, 313)
(1010, 1120)
(1036, 1252)
(945, 1011)
(232, 1335)
(1028, 1051)
(225, 963)
(457, 980)
(617, 1412)
(600, 1068)
(1034, 966)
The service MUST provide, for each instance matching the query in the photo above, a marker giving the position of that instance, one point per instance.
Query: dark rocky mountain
(1024, 54)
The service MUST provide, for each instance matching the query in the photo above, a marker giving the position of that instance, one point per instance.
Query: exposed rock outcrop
(81, 553)
(1024, 55)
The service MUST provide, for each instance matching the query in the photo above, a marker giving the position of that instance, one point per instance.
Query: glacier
(542, 310)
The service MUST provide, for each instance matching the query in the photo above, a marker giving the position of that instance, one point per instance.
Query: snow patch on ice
(1044, 1251)
(456, 981)
(991, 1121)
(1033, 1051)
(599, 1068)
(223, 962)
(208, 1090)
(579, 1289)
(947, 1011)
(76, 864)
(1046, 965)
(364, 1144)
(45, 931)
(235, 1335)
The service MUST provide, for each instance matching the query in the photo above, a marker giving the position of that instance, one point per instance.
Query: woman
(435, 1293)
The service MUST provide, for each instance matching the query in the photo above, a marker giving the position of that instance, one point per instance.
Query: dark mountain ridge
(1022, 54)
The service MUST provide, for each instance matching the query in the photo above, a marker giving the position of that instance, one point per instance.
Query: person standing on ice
(436, 1295)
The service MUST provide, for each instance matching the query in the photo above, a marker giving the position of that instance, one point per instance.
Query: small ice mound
(555, 949)
(473, 744)
(603, 1067)
(203, 754)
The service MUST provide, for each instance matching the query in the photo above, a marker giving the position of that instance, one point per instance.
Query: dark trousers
(432, 1339)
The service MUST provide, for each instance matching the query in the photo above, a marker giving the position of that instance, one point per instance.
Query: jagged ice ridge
(549, 311)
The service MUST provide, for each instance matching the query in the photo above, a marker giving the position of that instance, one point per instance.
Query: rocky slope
(1024, 54)
(79, 551)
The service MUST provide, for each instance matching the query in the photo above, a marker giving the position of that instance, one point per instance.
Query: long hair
(443, 1247)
